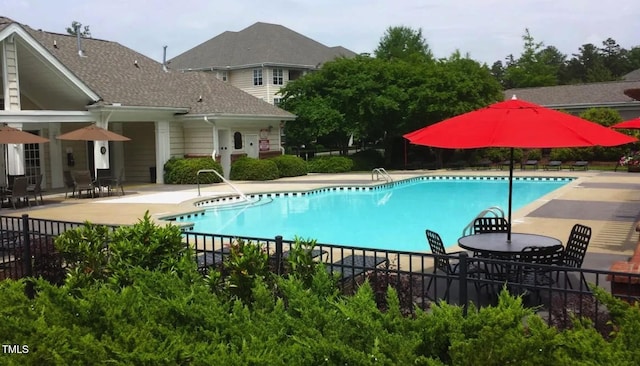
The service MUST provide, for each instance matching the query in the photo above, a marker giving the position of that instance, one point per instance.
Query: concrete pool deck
(608, 202)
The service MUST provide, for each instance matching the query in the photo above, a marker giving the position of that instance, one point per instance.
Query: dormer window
(257, 77)
(278, 78)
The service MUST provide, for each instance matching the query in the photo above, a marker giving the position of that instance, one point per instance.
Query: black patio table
(495, 244)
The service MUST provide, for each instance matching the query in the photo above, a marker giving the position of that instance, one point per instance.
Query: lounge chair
(533, 164)
(504, 164)
(580, 165)
(553, 165)
(353, 266)
(483, 164)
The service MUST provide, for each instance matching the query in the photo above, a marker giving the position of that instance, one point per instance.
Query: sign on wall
(264, 145)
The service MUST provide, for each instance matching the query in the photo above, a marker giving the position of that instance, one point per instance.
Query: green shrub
(367, 160)
(247, 168)
(330, 164)
(184, 171)
(290, 166)
(93, 253)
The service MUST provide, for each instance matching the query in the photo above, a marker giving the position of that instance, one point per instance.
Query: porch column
(101, 148)
(15, 155)
(163, 148)
(118, 149)
(55, 155)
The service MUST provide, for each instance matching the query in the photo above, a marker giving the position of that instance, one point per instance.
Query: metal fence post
(26, 259)
(278, 254)
(462, 271)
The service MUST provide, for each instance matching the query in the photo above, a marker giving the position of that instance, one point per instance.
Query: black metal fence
(411, 273)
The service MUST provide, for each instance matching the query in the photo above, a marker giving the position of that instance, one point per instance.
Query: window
(257, 76)
(276, 101)
(223, 75)
(237, 140)
(32, 160)
(278, 78)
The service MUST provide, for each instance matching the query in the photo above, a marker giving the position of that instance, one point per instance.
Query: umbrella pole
(510, 193)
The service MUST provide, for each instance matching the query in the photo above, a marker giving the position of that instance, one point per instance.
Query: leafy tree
(588, 66)
(536, 66)
(403, 43)
(75, 29)
(380, 100)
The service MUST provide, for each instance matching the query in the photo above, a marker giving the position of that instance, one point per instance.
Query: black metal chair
(533, 272)
(490, 225)
(574, 251)
(442, 262)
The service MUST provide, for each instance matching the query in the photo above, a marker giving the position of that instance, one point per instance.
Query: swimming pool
(390, 216)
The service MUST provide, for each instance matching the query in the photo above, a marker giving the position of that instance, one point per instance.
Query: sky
(486, 30)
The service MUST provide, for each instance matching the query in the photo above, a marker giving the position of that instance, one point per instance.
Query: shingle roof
(121, 75)
(260, 43)
(580, 94)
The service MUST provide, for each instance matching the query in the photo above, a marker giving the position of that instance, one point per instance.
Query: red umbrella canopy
(632, 124)
(518, 124)
(10, 135)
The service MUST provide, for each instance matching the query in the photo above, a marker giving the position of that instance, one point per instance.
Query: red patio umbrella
(92, 133)
(632, 124)
(516, 124)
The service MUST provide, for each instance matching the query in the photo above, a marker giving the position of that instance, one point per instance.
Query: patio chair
(574, 252)
(553, 165)
(69, 183)
(116, 183)
(442, 262)
(103, 180)
(535, 278)
(490, 224)
(83, 182)
(19, 190)
(36, 189)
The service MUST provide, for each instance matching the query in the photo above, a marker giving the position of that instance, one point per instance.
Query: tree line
(541, 65)
(375, 99)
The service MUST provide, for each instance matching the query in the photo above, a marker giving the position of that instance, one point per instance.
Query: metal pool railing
(27, 251)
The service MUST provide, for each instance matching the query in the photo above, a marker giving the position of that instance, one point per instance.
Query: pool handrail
(242, 195)
(495, 210)
(380, 171)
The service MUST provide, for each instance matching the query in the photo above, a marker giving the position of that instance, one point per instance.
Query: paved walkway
(609, 202)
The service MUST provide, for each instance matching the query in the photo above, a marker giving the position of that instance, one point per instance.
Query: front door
(251, 143)
(224, 142)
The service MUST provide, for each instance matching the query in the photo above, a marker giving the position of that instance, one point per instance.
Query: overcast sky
(487, 30)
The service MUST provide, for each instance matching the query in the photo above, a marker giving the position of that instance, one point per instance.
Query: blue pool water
(391, 217)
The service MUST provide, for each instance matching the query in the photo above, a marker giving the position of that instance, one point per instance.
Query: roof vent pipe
(79, 38)
(164, 59)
